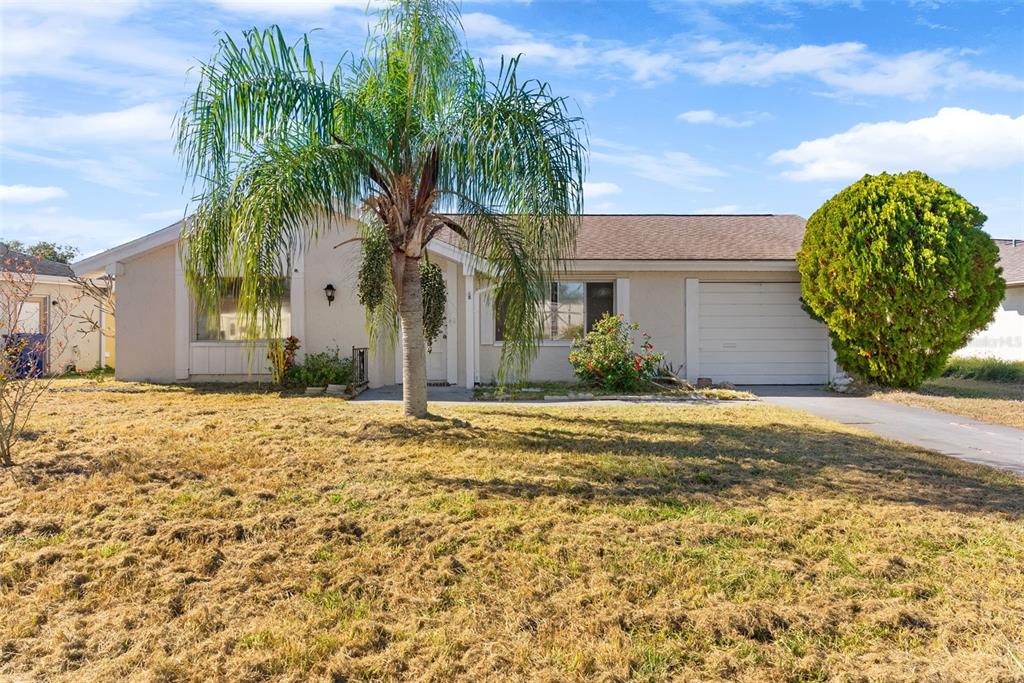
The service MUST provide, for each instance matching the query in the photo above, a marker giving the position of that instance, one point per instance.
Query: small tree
(899, 269)
(51, 251)
(99, 291)
(412, 139)
(24, 347)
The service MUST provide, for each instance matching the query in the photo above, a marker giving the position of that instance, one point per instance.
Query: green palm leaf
(411, 137)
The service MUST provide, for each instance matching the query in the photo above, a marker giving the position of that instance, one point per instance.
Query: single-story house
(77, 328)
(1004, 337)
(719, 295)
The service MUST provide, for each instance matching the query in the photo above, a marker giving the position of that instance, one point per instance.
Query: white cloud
(104, 10)
(848, 67)
(675, 169)
(297, 8)
(601, 189)
(564, 57)
(646, 66)
(30, 194)
(480, 25)
(710, 117)
(724, 208)
(169, 215)
(952, 140)
(59, 40)
(499, 38)
(123, 173)
(88, 234)
(141, 123)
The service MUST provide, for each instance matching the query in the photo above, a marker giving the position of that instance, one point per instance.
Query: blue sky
(733, 106)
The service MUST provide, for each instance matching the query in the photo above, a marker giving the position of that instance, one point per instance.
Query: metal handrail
(360, 376)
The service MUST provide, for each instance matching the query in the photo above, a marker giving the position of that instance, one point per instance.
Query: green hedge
(990, 369)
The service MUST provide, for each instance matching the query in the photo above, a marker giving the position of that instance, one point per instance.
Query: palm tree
(411, 139)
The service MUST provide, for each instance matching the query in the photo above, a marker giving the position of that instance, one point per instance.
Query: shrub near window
(610, 357)
(319, 370)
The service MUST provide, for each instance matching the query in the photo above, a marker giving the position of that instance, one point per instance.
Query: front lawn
(987, 401)
(195, 535)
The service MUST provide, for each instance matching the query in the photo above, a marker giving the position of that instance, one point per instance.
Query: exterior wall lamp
(329, 291)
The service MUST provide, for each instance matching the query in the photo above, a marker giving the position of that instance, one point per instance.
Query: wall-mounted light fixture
(329, 291)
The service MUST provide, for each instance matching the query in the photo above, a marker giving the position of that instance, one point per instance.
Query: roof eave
(103, 262)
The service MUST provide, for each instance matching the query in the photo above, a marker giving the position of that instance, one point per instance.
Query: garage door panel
(781, 369)
(772, 337)
(760, 378)
(758, 333)
(762, 357)
(745, 323)
(749, 287)
(729, 298)
(754, 310)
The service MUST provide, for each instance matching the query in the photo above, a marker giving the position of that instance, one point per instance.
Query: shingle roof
(660, 237)
(680, 237)
(1011, 258)
(12, 260)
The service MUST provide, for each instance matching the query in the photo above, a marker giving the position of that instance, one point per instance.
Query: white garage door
(757, 333)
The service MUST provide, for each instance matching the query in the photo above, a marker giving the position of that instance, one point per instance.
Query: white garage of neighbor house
(719, 296)
(1004, 337)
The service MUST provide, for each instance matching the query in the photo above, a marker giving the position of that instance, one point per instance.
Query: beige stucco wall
(73, 341)
(145, 317)
(342, 324)
(110, 336)
(657, 301)
(146, 312)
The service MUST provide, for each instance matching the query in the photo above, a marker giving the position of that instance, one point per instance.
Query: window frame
(194, 339)
(547, 309)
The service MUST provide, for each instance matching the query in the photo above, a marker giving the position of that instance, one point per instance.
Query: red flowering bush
(610, 357)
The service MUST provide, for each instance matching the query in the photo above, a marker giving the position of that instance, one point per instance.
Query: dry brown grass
(182, 535)
(994, 402)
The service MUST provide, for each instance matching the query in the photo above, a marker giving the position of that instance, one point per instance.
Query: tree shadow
(619, 460)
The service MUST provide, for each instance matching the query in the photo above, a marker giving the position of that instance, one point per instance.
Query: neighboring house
(1004, 337)
(720, 296)
(60, 311)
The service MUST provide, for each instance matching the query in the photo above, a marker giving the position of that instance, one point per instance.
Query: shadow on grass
(604, 458)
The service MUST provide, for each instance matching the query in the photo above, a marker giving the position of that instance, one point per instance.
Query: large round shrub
(898, 268)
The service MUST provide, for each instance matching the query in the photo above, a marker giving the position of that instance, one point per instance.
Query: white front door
(437, 358)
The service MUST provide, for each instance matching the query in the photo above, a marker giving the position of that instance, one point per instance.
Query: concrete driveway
(953, 435)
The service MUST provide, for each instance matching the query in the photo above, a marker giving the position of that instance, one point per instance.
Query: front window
(223, 324)
(570, 309)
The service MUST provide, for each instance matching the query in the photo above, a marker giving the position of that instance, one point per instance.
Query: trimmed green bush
(319, 370)
(988, 369)
(898, 268)
(610, 357)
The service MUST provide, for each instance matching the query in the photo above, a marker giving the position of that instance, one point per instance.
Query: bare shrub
(99, 291)
(32, 331)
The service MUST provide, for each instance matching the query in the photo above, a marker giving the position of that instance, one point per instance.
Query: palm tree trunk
(414, 348)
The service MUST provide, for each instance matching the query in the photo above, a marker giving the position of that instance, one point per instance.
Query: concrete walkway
(393, 392)
(953, 435)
